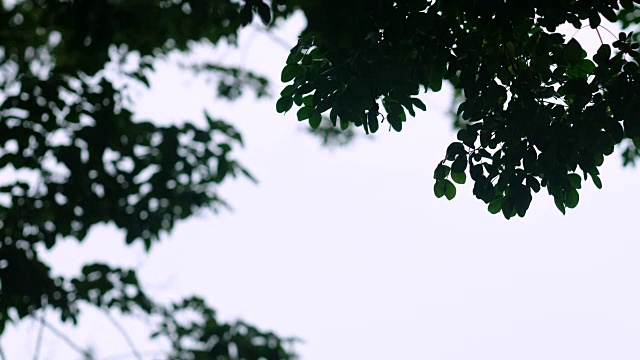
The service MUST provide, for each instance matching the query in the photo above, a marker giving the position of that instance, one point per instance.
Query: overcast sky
(350, 250)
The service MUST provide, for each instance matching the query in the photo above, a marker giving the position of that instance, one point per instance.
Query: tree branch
(66, 339)
(124, 334)
(36, 351)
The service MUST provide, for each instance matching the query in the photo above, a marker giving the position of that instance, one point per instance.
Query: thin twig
(599, 36)
(609, 31)
(574, 34)
(124, 334)
(2, 355)
(36, 351)
(66, 339)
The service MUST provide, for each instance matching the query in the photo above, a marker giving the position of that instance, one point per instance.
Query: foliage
(538, 111)
(80, 157)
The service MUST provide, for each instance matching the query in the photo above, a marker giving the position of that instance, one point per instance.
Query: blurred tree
(536, 111)
(73, 156)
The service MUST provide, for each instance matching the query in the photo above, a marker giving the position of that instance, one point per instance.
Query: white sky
(350, 250)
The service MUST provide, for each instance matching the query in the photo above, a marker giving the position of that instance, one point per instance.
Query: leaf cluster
(66, 121)
(537, 111)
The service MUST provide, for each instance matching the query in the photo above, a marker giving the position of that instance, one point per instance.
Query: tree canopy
(537, 111)
(534, 111)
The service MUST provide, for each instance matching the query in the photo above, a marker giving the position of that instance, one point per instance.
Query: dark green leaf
(419, 104)
(608, 14)
(395, 121)
(459, 177)
(288, 91)
(284, 104)
(594, 19)
(246, 15)
(308, 101)
(305, 113)
(575, 180)
(533, 183)
(264, 12)
(344, 124)
(572, 198)
(454, 150)
(573, 52)
(596, 180)
(315, 120)
(559, 205)
(495, 206)
(441, 172)
(460, 164)
(372, 120)
(289, 72)
(438, 188)
(449, 190)
(476, 172)
(586, 66)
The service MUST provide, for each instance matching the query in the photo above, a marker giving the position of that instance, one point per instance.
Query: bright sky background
(350, 250)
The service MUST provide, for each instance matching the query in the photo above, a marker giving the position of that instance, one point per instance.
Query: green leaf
(462, 134)
(594, 19)
(284, 104)
(533, 183)
(627, 4)
(308, 100)
(460, 164)
(288, 90)
(508, 210)
(395, 121)
(264, 12)
(436, 75)
(295, 55)
(449, 190)
(419, 104)
(438, 188)
(455, 149)
(305, 113)
(372, 120)
(325, 104)
(441, 172)
(522, 200)
(289, 72)
(306, 88)
(559, 205)
(575, 180)
(315, 120)
(476, 172)
(435, 84)
(603, 54)
(586, 66)
(596, 180)
(495, 205)
(573, 52)
(608, 14)
(344, 124)
(459, 177)
(246, 15)
(572, 198)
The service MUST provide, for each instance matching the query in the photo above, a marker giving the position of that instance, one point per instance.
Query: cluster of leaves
(537, 111)
(189, 325)
(75, 156)
(207, 338)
